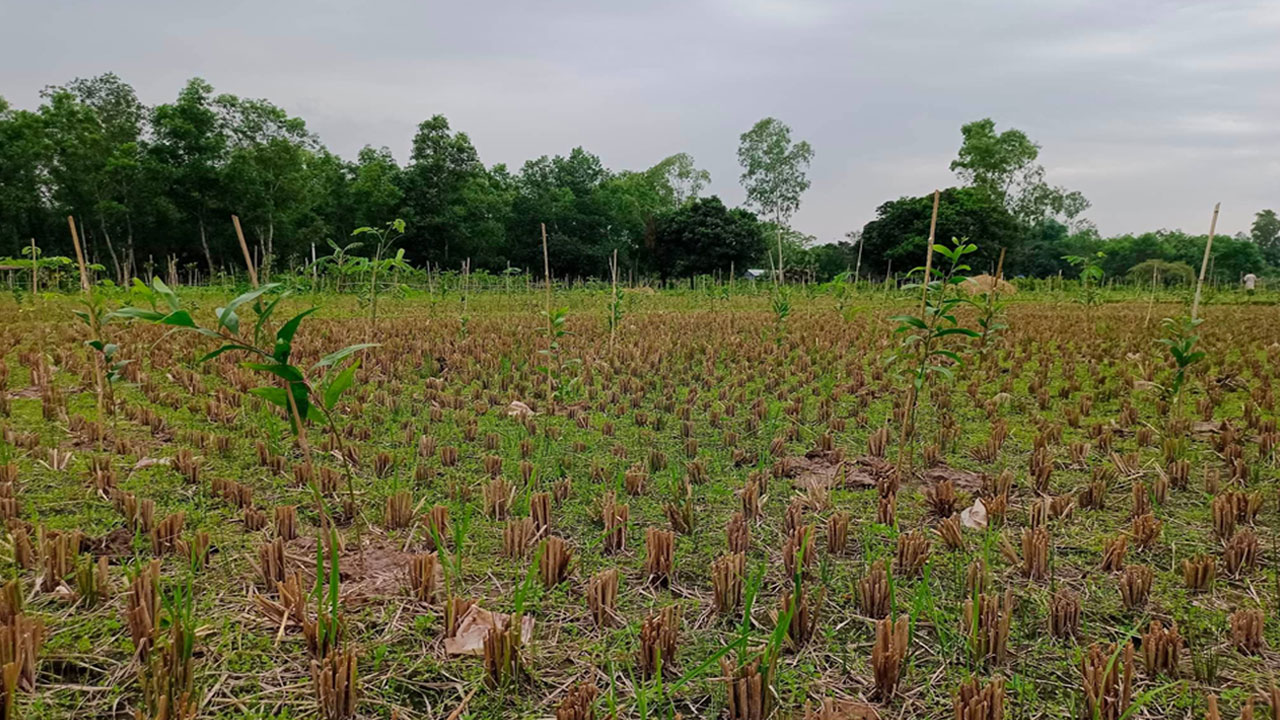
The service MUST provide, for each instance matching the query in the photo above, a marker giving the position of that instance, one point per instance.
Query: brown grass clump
(949, 531)
(497, 495)
(727, 575)
(941, 498)
(1107, 679)
(659, 640)
(887, 510)
(578, 703)
(1224, 515)
(987, 626)
(398, 511)
(59, 551)
(1161, 648)
(1064, 614)
(1241, 553)
(738, 533)
(142, 607)
(21, 638)
(887, 654)
(838, 532)
(602, 597)
(750, 691)
(659, 556)
(913, 552)
(165, 535)
(873, 591)
(1113, 552)
(1135, 585)
(287, 522)
(271, 562)
(553, 564)
(503, 661)
(1246, 631)
(516, 536)
(437, 526)
(1199, 572)
(336, 684)
(798, 554)
(975, 701)
(615, 518)
(878, 442)
(1145, 530)
(422, 576)
(803, 620)
(1035, 554)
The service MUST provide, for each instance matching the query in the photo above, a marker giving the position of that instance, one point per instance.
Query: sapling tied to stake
(923, 351)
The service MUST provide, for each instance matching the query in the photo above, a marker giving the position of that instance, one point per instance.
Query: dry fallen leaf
(975, 516)
(518, 409)
(474, 627)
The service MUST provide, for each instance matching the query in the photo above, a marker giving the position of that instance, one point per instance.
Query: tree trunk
(204, 243)
(111, 249)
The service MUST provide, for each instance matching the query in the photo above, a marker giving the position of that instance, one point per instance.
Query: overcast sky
(1155, 110)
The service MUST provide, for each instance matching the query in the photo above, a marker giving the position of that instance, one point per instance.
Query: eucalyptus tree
(774, 174)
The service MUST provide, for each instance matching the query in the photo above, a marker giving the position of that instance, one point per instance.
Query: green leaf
(227, 314)
(340, 355)
(178, 318)
(263, 315)
(133, 313)
(339, 385)
(284, 336)
(170, 298)
(284, 372)
(223, 349)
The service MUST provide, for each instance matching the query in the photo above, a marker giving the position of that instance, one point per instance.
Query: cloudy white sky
(1155, 110)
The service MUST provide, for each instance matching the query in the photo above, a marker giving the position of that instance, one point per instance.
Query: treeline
(146, 184)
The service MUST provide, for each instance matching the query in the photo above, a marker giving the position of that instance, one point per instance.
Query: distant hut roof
(984, 283)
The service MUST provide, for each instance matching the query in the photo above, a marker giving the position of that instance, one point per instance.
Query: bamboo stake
(546, 271)
(1204, 263)
(613, 272)
(35, 271)
(244, 247)
(75, 240)
(928, 258)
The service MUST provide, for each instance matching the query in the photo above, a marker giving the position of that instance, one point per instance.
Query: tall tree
(440, 165)
(1004, 164)
(191, 148)
(774, 173)
(266, 178)
(23, 155)
(702, 236)
(94, 126)
(1266, 235)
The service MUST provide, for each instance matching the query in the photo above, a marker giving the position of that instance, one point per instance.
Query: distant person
(1250, 280)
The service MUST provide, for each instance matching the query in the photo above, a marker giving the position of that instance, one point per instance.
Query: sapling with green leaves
(557, 367)
(306, 394)
(1180, 338)
(1090, 276)
(383, 239)
(923, 351)
(780, 303)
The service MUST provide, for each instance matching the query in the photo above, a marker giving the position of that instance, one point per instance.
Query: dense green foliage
(150, 184)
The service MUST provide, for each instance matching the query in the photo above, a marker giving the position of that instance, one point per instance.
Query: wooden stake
(613, 272)
(1204, 263)
(75, 240)
(244, 247)
(928, 258)
(35, 270)
(546, 271)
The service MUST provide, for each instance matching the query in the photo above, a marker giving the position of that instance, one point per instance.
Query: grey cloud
(1155, 109)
